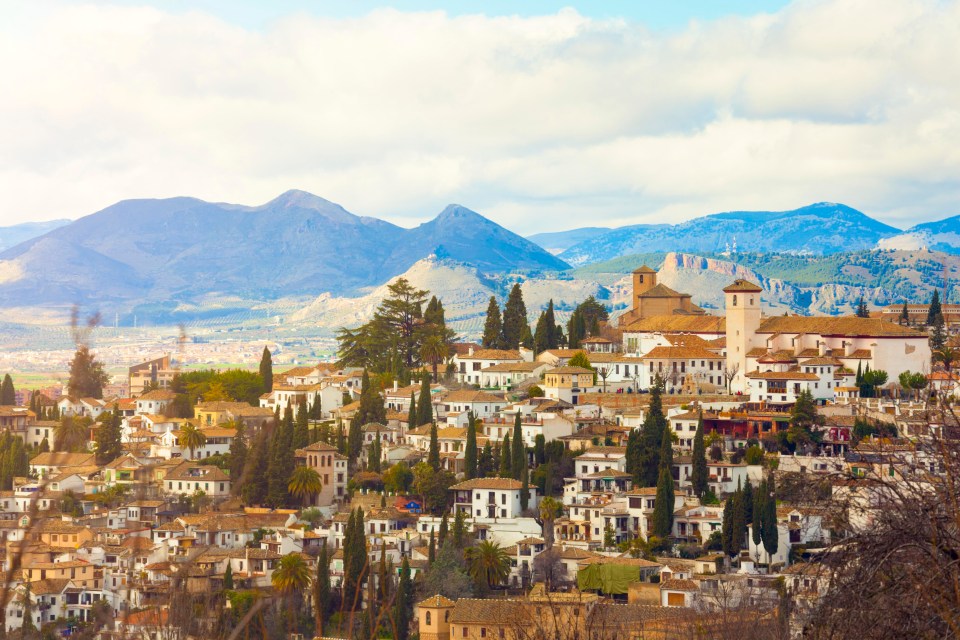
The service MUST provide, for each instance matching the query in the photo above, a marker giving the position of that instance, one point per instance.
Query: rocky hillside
(940, 235)
(822, 228)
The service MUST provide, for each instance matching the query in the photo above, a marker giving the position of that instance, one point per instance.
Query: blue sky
(565, 115)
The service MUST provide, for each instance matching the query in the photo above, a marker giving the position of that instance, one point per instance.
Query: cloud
(541, 122)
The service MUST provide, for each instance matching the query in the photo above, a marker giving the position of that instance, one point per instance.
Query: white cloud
(554, 121)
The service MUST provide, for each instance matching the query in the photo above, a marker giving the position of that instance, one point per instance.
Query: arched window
(446, 615)
(734, 299)
(428, 618)
(751, 302)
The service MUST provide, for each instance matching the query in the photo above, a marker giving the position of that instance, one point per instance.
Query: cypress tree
(493, 326)
(470, 455)
(108, 436)
(738, 523)
(432, 549)
(459, 531)
(862, 310)
(8, 395)
(485, 464)
(663, 505)
(651, 434)
(935, 309)
(238, 457)
(412, 414)
(524, 488)
(726, 531)
(553, 331)
(433, 458)
(699, 474)
(266, 369)
(633, 455)
(540, 343)
(540, 449)
(759, 501)
(514, 319)
(771, 536)
(442, 536)
(424, 405)
(404, 602)
(519, 452)
(253, 490)
(301, 430)
(505, 457)
(374, 454)
(341, 438)
(904, 315)
(748, 501)
(228, 578)
(321, 589)
(44, 445)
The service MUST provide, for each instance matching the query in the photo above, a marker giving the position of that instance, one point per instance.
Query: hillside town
(667, 473)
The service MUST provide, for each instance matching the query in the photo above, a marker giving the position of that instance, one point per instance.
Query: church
(759, 349)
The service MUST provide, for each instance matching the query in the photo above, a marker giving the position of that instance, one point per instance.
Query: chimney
(394, 384)
(822, 347)
(470, 351)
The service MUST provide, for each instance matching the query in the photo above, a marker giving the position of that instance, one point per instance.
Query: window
(428, 618)
(734, 299)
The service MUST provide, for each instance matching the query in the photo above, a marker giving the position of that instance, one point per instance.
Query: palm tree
(191, 438)
(550, 508)
(71, 434)
(947, 355)
(291, 577)
(434, 350)
(488, 564)
(304, 483)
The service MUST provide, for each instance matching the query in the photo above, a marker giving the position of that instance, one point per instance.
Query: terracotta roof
(741, 285)
(662, 291)
(492, 354)
(513, 366)
(489, 483)
(48, 586)
(158, 394)
(61, 459)
(821, 361)
(676, 584)
(487, 611)
(783, 375)
(468, 395)
(571, 370)
(836, 326)
(437, 601)
(681, 353)
(678, 324)
(644, 269)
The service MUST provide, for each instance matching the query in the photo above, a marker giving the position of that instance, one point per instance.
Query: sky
(562, 116)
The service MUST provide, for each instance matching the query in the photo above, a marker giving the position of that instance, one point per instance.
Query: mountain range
(821, 228)
(183, 250)
(308, 260)
(14, 235)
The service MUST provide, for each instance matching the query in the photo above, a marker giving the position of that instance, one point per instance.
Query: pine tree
(425, 404)
(698, 474)
(505, 457)
(663, 505)
(433, 458)
(8, 395)
(862, 310)
(404, 602)
(514, 319)
(321, 589)
(266, 369)
(493, 327)
(354, 558)
(935, 309)
(470, 455)
(518, 453)
(938, 337)
(238, 457)
(412, 414)
(654, 424)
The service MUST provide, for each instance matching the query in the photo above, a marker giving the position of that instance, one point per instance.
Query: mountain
(468, 237)
(14, 235)
(821, 228)
(184, 250)
(557, 241)
(940, 235)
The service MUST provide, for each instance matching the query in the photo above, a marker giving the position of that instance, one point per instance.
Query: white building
(491, 497)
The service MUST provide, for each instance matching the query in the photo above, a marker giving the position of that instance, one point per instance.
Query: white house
(491, 497)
